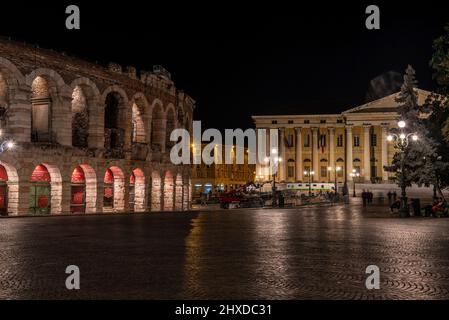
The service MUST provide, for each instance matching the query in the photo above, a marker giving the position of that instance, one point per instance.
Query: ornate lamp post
(355, 175)
(309, 173)
(401, 141)
(336, 169)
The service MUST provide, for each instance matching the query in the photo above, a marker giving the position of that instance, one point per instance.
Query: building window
(306, 121)
(291, 171)
(340, 140)
(274, 122)
(307, 140)
(290, 121)
(339, 121)
(356, 141)
(290, 140)
(373, 140)
(322, 141)
(322, 121)
(340, 173)
(373, 171)
(323, 171)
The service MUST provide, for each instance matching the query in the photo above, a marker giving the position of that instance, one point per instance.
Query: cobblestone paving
(308, 253)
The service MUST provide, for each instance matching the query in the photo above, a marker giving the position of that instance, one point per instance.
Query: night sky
(237, 60)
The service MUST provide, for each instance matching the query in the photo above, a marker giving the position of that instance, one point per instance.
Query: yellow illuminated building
(215, 178)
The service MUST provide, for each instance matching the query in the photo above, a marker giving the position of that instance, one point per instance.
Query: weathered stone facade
(95, 139)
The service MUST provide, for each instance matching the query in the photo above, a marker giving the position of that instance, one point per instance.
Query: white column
(283, 164)
(259, 164)
(267, 171)
(348, 153)
(298, 157)
(366, 154)
(332, 154)
(315, 153)
(384, 152)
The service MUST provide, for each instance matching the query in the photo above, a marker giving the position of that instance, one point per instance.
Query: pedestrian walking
(369, 197)
(364, 197)
(395, 196)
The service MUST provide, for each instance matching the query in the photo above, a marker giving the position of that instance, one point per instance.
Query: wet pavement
(306, 253)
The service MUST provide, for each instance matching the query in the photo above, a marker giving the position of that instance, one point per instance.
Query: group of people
(367, 197)
(438, 205)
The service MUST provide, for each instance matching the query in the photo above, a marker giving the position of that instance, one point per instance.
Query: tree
(414, 162)
(438, 121)
(440, 62)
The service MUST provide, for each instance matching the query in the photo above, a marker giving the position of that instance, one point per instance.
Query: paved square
(307, 253)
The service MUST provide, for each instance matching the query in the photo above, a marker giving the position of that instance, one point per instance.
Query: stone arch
(83, 189)
(114, 190)
(168, 191)
(157, 134)
(137, 190)
(46, 189)
(115, 118)
(170, 120)
(13, 111)
(12, 73)
(179, 184)
(57, 80)
(139, 118)
(156, 192)
(50, 107)
(85, 115)
(9, 189)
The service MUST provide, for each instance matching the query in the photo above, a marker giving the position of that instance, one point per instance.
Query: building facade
(354, 141)
(216, 178)
(88, 138)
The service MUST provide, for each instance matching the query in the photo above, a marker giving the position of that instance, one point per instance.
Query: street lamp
(276, 160)
(354, 174)
(336, 169)
(6, 144)
(401, 142)
(309, 174)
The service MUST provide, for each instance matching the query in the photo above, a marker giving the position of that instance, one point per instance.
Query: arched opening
(114, 121)
(137, 191)
(80, 118)
(138, 127)
(40, 110)
(3, 191)
(156, 191)
(178, 192)
(168, 191)
(9, 189)
(169, 128)
(45, 189)
(83, 190)
(157, 128)
(4, 101)
(114, 190)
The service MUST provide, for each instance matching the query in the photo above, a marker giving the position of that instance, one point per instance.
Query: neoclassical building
(216, 178)
(355, 139)
(88, 138)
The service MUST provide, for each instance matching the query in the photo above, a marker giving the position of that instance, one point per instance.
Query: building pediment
(386, 104)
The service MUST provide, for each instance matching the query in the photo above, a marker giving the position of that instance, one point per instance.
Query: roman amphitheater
(88, 139)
